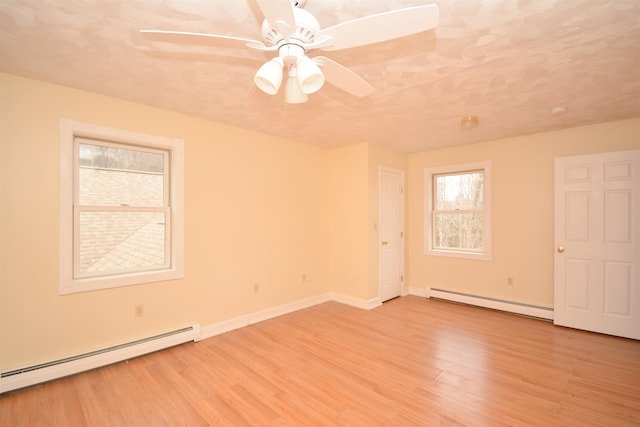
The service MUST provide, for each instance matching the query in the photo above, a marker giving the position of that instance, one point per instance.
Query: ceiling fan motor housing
(307, 26)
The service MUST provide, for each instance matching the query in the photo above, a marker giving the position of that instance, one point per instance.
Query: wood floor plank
(411, 362)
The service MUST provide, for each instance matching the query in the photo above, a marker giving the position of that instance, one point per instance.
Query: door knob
(384, 242)
(560, 249)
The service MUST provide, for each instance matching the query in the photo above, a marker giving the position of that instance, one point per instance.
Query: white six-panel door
(391, 224)
(597, 237)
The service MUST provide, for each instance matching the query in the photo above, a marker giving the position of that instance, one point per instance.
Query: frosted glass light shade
(269, 76)
(309, 76)
(292, 92)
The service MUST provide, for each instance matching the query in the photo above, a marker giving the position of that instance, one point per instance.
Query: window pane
(459, 191)
(110, 176)
(458, 231)
(121, 241)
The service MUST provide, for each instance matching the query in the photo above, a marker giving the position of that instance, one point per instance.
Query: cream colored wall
(523, 246)
(255, 212)
(259, 209)
(354, 217)
(348, 210)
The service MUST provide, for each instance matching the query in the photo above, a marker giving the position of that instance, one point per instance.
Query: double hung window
(458, 211)
(121, 220)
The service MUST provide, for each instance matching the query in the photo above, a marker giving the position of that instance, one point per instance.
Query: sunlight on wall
(523, 247)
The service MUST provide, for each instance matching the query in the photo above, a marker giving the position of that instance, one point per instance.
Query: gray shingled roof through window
(120, 241)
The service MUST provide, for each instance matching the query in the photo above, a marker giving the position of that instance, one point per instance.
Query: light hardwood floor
(411, 362)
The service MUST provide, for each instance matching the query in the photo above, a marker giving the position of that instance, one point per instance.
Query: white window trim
(69, 130)
(486, 255)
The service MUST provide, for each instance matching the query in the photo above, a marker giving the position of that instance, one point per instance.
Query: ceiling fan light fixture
(309, 76)
(556, 111)
(292, 92)
(469, 122)
(292, 31)
(269, 76)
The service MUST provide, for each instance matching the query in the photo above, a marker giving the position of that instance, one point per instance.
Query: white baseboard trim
(419, 292)
(357, 302)
(259, 316)
(269, 313)
(496, 304)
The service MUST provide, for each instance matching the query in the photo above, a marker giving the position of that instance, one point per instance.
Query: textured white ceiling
(507, 61)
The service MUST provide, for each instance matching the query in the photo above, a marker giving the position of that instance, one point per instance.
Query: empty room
(320, 212)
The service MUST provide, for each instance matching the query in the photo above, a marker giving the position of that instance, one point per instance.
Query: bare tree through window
(458, 211)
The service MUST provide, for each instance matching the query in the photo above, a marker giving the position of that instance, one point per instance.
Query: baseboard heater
(31, 375)
(495, 304)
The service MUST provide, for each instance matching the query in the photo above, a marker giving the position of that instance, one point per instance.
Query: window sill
(95, 283)
(459, 254)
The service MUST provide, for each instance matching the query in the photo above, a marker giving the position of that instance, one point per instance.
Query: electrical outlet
(138, 310)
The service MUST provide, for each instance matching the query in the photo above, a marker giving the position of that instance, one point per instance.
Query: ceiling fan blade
(200, 39)
(342, 77)
(279, 14)
(381, 27)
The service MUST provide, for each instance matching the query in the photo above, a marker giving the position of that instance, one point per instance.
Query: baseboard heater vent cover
(35, 374)
(493, 303)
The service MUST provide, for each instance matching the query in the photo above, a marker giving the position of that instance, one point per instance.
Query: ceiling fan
(291, 32)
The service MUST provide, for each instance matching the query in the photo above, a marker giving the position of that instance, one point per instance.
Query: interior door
(597, 235)
(391, 201)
